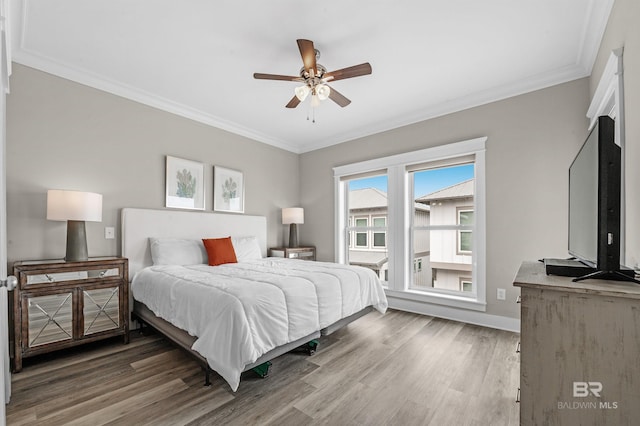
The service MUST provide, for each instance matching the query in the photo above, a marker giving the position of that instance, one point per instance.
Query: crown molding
(593, 31)
(538, 82)
(99, 82)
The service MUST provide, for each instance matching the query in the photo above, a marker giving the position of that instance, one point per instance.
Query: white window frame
(399, 196)
(417, 265)
(378, 230)
(463, 281)
(460, 231)
(360, 231)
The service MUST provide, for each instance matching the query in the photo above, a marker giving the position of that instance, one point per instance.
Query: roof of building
(368, 258)
(373, 198)
(367, 198)
(459, 190)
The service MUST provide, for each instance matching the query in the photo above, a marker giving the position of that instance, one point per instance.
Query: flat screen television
(594, 203)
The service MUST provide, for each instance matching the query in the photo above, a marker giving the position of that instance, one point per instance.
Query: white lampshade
(302, 92)
(292, 215)
(323, 91)
(74, 205)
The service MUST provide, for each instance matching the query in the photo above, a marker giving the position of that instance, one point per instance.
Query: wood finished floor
(392, 369)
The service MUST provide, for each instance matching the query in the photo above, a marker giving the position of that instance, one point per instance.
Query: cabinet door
(49, 318)
(101, 309)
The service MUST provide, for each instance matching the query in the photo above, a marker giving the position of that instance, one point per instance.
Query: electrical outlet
(109, 232)
(502, 294)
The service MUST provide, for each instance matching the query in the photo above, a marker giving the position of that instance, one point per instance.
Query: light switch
(109, 232)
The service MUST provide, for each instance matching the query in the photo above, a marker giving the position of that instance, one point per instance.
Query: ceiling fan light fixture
(313, 76)
(315, 101)
(302, 92)
(323, 91)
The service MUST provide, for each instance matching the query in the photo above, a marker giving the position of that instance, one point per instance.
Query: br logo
(584, 389)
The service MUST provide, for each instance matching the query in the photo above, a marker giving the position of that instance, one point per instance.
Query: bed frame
(138, 225)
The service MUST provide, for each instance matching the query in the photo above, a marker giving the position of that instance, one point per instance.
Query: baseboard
(471, 317)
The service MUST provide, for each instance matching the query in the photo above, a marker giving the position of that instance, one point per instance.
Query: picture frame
(228, 190)
(184, 184)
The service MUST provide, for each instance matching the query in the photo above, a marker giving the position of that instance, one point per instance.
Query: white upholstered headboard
(140, 224)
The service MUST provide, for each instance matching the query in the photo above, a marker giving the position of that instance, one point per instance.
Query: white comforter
(241, 311)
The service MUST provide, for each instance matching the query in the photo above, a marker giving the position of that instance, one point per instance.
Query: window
(466, 285)
(465, 241)
(363, 238)
(426, 234)
(446, 190)
(417, 265)
(379, 237)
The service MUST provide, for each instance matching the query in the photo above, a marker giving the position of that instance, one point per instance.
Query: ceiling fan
(315, 78)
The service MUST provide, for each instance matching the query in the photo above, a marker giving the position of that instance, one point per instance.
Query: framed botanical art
(228, 190)
(184, 184)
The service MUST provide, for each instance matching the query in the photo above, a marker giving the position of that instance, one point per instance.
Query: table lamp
(74, 207)
(293, 216)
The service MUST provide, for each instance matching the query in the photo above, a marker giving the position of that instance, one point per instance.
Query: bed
(235, 316)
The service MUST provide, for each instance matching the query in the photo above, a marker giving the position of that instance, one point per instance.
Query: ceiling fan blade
(338, 98)
(349, 72)
(261, 76)
(308, 53)
(293, 102)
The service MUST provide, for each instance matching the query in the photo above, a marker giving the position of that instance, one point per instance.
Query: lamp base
(293, 235)
(76, 241)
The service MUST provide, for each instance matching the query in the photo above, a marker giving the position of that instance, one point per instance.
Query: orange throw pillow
(220, 251)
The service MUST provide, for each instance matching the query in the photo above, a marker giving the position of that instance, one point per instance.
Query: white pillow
(246, 248)
(177, 251)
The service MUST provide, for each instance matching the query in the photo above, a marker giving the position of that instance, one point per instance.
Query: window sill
(439, 299)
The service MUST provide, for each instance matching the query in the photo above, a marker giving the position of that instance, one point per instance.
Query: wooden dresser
(59, 304)
(580, 350)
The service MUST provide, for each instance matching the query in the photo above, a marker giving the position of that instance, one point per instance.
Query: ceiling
(196, 58)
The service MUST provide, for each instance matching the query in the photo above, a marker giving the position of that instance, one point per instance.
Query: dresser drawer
(57, 273)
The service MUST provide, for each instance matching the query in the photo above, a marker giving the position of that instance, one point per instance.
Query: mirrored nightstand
(59, 304)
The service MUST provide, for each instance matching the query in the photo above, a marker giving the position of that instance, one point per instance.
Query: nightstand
(60, 304)
(303, 253)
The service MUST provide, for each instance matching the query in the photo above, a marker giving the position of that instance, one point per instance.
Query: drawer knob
(10, 283)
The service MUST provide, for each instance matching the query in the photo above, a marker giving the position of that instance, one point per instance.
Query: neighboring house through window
(367, 205)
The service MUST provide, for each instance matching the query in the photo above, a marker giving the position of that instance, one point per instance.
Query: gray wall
(532, 140)
(623, 29)
(63, 135)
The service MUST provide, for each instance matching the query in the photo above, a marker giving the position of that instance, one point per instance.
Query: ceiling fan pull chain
(313, 113)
